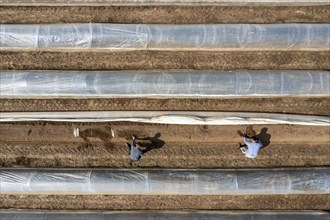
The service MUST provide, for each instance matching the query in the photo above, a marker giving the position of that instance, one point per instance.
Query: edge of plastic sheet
(153, 2)
(153, 214)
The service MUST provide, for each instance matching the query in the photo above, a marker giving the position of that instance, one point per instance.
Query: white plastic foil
(174, 182)
(153, 215)
(52, 84)
(169, 117)
(162, 37)
(160, 2)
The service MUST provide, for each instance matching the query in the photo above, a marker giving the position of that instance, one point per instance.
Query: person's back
(253, 147)
(135, 153)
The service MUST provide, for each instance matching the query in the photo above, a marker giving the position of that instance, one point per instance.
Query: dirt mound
(293, 105)
(167, 14)
(164, 202)
(142, 60)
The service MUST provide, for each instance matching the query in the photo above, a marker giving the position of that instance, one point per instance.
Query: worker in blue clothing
(251, 144)
(134, 149)
(251, 147)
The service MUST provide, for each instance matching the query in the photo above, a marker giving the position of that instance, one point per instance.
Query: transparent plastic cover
(162, 37)
(181, 182)
(170, 215)
(50, 84)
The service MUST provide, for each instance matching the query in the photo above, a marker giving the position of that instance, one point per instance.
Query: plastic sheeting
(162, 37)
(181, 182)
(50, 84)
(169, 117)
(160, 2)
(170, 215)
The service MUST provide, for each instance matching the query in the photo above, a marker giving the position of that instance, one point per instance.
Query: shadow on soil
(151, 143)
(103, 134)
(264, 137)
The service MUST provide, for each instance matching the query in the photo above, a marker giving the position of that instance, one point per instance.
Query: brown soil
(164, 202)
(292, 105)
(140, 60)
(167, 14)
(42, 144)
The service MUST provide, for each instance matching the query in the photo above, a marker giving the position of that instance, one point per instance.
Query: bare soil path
(165, 202)
(142, 60)
(42, 144)
(289, 105)
(166, 14)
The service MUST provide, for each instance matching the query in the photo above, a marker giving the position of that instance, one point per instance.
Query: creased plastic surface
(173, 215)
(160, 2)
(162, 37)
(182, 182)
(169, 117)
(49, 84)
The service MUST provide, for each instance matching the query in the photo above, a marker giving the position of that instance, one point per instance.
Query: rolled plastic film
(50, 84)
(162, 37)
(169, 117)
(181, 182)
